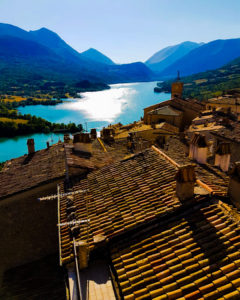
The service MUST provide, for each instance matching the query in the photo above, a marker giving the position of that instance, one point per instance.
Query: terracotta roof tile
(28, 171)
(122, 196)
(208, 174)
(209, 269)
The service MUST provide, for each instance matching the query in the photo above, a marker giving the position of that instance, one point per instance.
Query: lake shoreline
(121, 103)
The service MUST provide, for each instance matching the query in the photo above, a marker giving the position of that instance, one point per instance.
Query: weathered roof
(98, 157)
(166, 110)
(121, 196)
(227, 99)
(208, 174)
(232, 132)
(28, 171)
(194, 255)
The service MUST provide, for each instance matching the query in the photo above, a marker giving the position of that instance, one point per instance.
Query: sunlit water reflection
(122, 103)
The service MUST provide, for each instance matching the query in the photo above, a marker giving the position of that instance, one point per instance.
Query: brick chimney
(185, 181)
(31, 146)
(234, 184)
(222, 156)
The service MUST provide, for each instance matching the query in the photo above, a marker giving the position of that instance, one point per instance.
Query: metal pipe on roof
(77, 271)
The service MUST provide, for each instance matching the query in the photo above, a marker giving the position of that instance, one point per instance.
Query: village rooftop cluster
(148, 210)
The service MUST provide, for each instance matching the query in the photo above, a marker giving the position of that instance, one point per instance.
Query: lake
(122, 103)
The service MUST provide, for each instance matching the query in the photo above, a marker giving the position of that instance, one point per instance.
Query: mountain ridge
(77, 66)
(97, 56)
(167, 56)
(209, 56)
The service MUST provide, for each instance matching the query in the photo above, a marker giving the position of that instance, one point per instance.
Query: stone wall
(28, 227)
(158, 118)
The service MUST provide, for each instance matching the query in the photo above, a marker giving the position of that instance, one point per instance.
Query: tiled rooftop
(28, 171)
(141, 127)
(231, 133)
(121, 197)
(227, 99)
(98, 159)
(165, 110)
(208, 174)
(195, 255)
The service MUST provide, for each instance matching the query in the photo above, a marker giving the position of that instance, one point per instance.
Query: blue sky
(127, 30)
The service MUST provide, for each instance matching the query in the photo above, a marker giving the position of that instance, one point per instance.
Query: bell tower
(177, 88)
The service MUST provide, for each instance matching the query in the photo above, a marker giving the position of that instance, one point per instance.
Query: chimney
(93, 133)
(82, 251)
(31, 147)
(222, 156)
(107, 135)
(198, 148)
(66, 138)
(234, 184)
(82, 143)
(185, 181)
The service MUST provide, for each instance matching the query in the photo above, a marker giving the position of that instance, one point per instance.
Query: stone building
(230, 102)
(28, 227)
(151, 225)
(148, 227)
(177, 111)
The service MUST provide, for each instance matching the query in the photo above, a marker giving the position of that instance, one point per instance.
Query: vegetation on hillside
(23, 89)
(209, 84)
(13, 123)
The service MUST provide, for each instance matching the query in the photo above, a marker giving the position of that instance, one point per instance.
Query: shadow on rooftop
(94, 278)
(207, 237)
(28, 158)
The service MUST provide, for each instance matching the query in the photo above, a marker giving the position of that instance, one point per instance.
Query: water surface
(122, 103)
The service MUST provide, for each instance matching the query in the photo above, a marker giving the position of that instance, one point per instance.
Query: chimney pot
(185, 181)
(82, 143)
(222, 156)
(31, 146)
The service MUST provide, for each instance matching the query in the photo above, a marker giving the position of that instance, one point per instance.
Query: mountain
(97, 56)
(11, 30)
(209, 56)
(62, 61)
(167, 56)
(54, 42)
(210, 84)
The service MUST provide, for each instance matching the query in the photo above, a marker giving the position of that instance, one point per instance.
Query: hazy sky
(127, 30)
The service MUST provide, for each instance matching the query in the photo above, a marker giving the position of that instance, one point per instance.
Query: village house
(228, 102)
(178, 112)
(149, 227)
(129, 220)
(29, 236)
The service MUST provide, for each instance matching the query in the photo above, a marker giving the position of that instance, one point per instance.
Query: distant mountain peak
(167, 56)
(97, 56)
